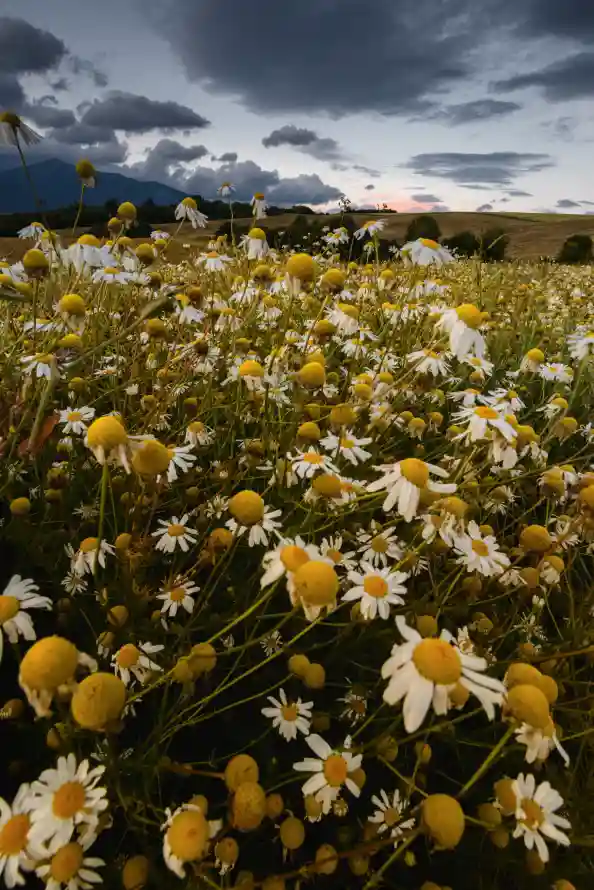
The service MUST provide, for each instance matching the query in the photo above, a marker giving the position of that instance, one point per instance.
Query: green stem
(488, 761)
(80, 207)
(104, 485)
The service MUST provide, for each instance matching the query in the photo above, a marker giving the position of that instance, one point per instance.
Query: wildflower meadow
(297, 564)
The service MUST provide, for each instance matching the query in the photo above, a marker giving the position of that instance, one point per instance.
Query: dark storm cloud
(424, 198)
(567, 202)
(25, 49)
(570, 18)
(304, 140)
(83, 134)
(369, 188)
(484, 208)
(570, 78)
(303, 66)
(496, 168)
(139, 114)
(473, 112)
(59, 85)
(165, 156)
(228, 157)
(83, 66)
(12, 95)
(248, 178)
(519, 193)
(46, 115)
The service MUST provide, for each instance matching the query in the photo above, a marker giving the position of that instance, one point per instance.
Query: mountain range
(58, 185)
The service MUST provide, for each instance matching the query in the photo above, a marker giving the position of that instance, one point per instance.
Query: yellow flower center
(480, 548)
(470, 315)
(391, 817)
(88, 545)
(247, 507)
(312, 458)
(429, 242)
(334, 555)
(533, 814)
(335, 770)
(379, 544)
(486, 413)
(415, 471)
(290, 713)
(177, 594)
(347, 443)
(68, 800)
(437, 661)
(74, 416)
(66, 863)
(128, 656)
(375, 585)
(176, 530)
(13, 836)
(293, 557)
(9, 606)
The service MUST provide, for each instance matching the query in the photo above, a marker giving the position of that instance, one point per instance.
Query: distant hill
(58, 186)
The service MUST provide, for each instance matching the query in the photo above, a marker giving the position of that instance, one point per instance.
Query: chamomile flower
(182, 459)
(288, 556)
(404, 480)
(555, 371)
(481, 419)
(289, 717)
(581, 345)
(199, 434)
(433, 673)
(378, 545)
(388, 817)
(371, 228)
(376, 589)
(480, 553)
(64, 801)
(331, 548)
(16, 852)
(347, 445)
(214, 261)
(540, 743)
(331, 771)
(259, 206)
(429, 361)
(34, 230)
(132, 662)
(187, 209)
(179, 595)
(480, 366)
(257, 532)
(70, 869)
(19, 595)
(425, 252)
(462, 325)
(307, 463)
(75, 420)
(41, 365)
(536, 815)
(175, 533)
(90, 554)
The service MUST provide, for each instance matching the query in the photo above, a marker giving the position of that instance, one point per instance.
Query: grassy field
(531, 234)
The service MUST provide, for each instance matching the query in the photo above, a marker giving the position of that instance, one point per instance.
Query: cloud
(561, 128)
(304, 140)
(439, 208)
(425, 198)
(369, 188)
(83, 66)
(165, 156)
(393, 40)
(12, 95)
(495, 168)
(567, 202)
(572, 18)
(25, 49)
(473, 112)
(484, 208)
(45, 114)
(369, 171)
(59, 85)
(565, 79)
(139, 114)
(228, 157)
(519, 193)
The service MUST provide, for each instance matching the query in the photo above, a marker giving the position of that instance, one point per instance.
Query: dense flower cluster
(298, 562)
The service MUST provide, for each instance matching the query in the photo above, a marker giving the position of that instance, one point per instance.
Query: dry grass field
(531, 234)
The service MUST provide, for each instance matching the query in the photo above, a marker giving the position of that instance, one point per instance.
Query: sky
(418, 104)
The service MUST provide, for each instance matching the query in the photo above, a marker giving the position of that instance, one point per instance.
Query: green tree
(423, 226)
(493, 244)
(464, 243)
(576, 249)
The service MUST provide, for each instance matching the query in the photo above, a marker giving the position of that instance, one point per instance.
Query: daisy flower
(581, 345)
(70, 869)
(425, 252)
(431, 673)
(66, 800)
(330, 770)
(258, 531)
(468, 397)
(428, 361)
(536, 815)
(388, 815)
(555, 371)
(214, 261)
(371, 227)
(178, 596)
(113, 275)
(404, 480)
(479, 365)
(132, 661)
(182, 459)
(16, 852)
(506, 401)
(34, 230)
(307, 463)
(259, 206)
(288, 556)
(462, 325)
(19, 595)
(198, 434)
(175, 533)
(540, 743)
(480, 420)
(377, 545)
(187, 209)
(348, 446)
(480, 554)
(40, 365)
(226, 189)
(75, 420)
(90, 553)
(289, 717)
(376, 589)
(331, 548)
